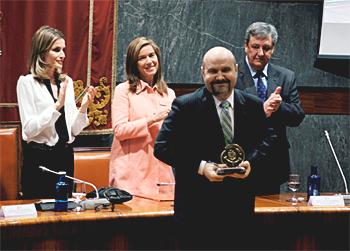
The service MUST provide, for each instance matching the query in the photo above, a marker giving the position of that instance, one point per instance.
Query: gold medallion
(232, 155)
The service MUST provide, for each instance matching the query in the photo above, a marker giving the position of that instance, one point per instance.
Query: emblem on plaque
(232, 155)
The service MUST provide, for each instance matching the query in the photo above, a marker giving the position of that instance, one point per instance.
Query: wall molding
(315, 101)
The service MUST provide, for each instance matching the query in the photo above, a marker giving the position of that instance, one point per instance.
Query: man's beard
(220, 91)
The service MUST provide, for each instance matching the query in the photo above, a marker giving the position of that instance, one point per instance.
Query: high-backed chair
(10, 164)
(92, 166)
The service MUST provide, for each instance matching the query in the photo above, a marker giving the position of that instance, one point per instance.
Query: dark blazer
(277, 167)
(192, 133)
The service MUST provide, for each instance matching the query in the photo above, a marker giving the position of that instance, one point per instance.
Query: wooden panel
(181, 89)
(325, 100)
(9, 113)
(315, 100)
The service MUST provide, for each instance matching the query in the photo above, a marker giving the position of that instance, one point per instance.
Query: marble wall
(186, 29)
(309, 146)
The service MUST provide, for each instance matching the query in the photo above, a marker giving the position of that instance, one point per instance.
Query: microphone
(346, 196)
(88, 203)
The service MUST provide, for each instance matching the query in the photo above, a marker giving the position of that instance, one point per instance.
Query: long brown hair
(42, 41)
(132, 72)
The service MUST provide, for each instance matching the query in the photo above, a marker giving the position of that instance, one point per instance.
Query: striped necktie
(226, 121)
(260, 87)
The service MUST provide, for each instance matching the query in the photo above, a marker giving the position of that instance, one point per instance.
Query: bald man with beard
(214, 211)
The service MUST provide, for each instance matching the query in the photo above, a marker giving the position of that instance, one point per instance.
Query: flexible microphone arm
(336, 159)
(72, 178)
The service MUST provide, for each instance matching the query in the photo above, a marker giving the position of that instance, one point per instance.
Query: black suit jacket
(192, 133)
(277, 167)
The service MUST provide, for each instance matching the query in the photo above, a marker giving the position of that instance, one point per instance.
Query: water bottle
(313, 183)
(61, 198)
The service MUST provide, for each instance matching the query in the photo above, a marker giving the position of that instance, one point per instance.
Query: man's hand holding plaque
(233, 164)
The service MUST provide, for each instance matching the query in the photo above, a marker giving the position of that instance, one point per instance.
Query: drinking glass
(293, 185)
(79, 193)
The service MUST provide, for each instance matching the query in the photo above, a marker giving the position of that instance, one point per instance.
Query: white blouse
(38, 114)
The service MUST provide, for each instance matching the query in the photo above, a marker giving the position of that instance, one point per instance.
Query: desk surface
(145, 208)
(273, 204)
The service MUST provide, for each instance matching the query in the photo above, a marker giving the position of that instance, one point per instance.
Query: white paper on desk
(19, 211)
(324, 200)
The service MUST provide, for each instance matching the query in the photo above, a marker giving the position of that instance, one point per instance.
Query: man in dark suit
(259, 77)
(214, 211)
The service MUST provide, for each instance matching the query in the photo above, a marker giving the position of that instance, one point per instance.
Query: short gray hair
(261, 29)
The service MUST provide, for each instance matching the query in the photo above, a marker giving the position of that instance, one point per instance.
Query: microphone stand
(346, 196)
(72, 178)
(88, 203)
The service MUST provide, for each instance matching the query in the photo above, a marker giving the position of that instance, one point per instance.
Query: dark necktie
(226, 121)
(260, 87)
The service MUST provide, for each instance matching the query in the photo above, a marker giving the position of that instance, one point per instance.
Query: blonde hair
(132, 71)
(42, 41)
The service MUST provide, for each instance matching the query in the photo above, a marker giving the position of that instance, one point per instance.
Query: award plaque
(232, 156)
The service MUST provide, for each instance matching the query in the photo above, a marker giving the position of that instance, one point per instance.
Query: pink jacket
(133, 166)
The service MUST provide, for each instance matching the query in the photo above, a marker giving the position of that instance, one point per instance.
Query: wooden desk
(282, 226)
(146, 224)
(137, 224)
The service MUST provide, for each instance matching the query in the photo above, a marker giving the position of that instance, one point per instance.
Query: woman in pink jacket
(139, 107)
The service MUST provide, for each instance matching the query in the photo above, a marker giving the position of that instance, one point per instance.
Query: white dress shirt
(38, 114)
(253, 72)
